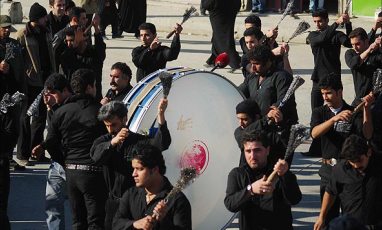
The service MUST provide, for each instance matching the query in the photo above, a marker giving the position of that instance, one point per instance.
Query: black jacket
(117, 160)
(120, 96)
(148, 61)
(262, 212)
(75, 126)
(133, 207)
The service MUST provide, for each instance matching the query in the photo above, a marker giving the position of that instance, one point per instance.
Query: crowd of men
(115, 179)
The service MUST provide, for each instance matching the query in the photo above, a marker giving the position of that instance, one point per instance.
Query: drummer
(249, 118)
(262, 204)
(151, 55)
(113, 150)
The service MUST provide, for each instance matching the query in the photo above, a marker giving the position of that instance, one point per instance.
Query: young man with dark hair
(357, 180)
(151, 55)
(325, 43)
(113, 150)
(56, 93)
(262, 204)
(120, 77)
(57, 17)
(74, 126)
(139, 204)
(363, 60)
(332, 123)
(377, 25)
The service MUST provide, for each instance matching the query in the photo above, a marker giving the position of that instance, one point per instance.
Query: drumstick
(298, 134)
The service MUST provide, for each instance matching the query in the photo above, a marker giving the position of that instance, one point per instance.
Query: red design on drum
(195, 154)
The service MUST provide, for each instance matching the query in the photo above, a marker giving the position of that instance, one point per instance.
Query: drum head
(201, 119)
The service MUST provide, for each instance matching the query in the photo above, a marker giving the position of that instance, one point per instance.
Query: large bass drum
(201, 119)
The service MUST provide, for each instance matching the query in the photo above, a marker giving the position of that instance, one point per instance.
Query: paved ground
(26, 205)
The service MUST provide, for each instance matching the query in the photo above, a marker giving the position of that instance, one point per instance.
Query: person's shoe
(254, 10)
(18, 167)
(21, 162)
(308, 11)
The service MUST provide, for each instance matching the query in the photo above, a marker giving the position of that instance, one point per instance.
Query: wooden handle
(359, 106)
(170, 34)
(272, 177)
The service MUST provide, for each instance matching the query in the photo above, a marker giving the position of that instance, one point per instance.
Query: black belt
(84, 167)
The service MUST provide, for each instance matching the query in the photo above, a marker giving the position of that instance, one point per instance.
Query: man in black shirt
(357, 180)
(113, 150)
(262, 204)
(120, 77)
(57, 17)
(333, 122)
(377, 25)
(143, 206)
(75, 126)
(151, 55)
(363, 60)
(325, 43)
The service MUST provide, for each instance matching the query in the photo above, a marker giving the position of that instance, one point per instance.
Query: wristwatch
(249, 189)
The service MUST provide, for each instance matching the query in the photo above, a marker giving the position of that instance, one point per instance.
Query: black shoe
(18, 167)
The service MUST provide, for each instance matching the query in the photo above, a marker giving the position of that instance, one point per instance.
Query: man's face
(143, 176)
(244, 120)
(58, 8)
(5, 32)
(146, 37)
(42, 22)
(255, 154)
(362, 163)
(321, 23)
(331, 97)
(114, 125)
(117, 80)
(80, 22)
(251, 42)
(260, 68)
(57, 96)
(359, 45)
(69, 40)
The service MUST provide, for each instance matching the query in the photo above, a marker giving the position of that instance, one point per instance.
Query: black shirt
(133, 206)
(55, 24)
(262, 212)
(113, 96)
(362, 71)
(360, 194)
(326, 49)
(75, 126)
(148, 61)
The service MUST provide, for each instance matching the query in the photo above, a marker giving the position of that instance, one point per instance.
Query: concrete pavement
(26, 206)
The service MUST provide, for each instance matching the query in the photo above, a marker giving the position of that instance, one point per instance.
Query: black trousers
(111, 208)
(87, 196)
(316, 100)
(31, 133)
(4, 192)
(109, 16)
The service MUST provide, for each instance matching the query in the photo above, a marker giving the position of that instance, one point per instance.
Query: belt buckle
(333, 161)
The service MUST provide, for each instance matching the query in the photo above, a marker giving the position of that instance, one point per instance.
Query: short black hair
(149, 156)
(331, 81)
(249, 107)
(261, 53)
(57, 82)
(123, 67)
(254, 31)
(81, 79)
(69, 31)
(354, 147)
(322, 13)
(148, 26)
(69, 5)
(76, 12)
(254, 135)
(111, 110)
(359, 32)
(253, 19)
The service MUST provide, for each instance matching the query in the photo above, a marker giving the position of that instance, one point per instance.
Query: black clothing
(55, 24)
(117, 162)
(270, 92)
(75, 126)
(373, 35)
(261, 212)
(109, 16)
(360, 194)
(120, 96)
(132, 14)
(362, 72)
(326, 49)
(133, 207)
(148, 61)
(4, 192)
(222, 14)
